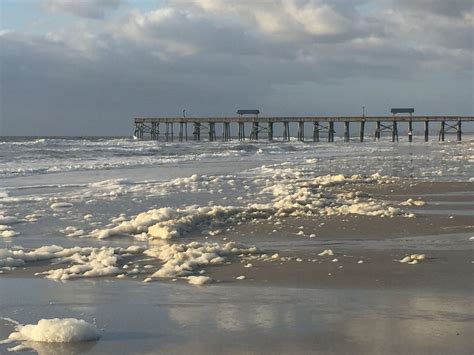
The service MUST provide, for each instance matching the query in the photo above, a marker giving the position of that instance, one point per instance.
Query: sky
(88, 67)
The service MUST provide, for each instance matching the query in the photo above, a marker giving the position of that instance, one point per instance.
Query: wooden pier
(255, 127)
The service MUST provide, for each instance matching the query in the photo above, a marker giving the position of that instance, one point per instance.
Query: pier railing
(163, 128)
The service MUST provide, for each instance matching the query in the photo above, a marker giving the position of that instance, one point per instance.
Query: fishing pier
(321, 127)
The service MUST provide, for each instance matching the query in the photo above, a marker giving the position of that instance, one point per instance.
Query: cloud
(213, 56)
(450, 8)
(94, 9)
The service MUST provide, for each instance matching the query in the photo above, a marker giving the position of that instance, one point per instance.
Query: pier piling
(377, 131)
(197, 131)
(410, 130)
(346, 131)
(286, 131)
(316, 132)
(395, 132)
(301, 131)
(331, 131)
(270, 131)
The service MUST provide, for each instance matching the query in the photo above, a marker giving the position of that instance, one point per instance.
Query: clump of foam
(167, 223)
(72, 231)
(9, 219)
(311, 197)
(413, 259)
(83, 262)
(184, 259)
(97, 263)
(199, 280)
(61, 205)
(326, 252)
(412, 202)
(56, 330)
(7, 232)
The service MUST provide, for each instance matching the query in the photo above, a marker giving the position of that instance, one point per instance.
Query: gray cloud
(211, 59)
(449, 8)
(95, 9)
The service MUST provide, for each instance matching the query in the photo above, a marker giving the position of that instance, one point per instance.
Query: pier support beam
(226, 132)
(241, 131)
(212, 131)
(139, 130)
(378, 131)
(181, 131)
(394, 132)
(362, 129)
(301, 131)
(167, 131)
(346, 132)
(427, 131)
(316, 132)
(197, 131)
(331, 132)
(410, 131)
(154, 131)
(254, 132)
(286, 131)
(451, 127)
(270, 131)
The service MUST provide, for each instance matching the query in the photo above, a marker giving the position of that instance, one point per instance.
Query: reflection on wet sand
(169, 318)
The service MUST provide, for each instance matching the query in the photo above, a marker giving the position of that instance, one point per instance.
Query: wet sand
(162, 318)
(381, 270)
(378, 242)
(305, 303)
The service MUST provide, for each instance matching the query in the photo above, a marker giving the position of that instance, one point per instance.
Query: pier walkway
(257, 127)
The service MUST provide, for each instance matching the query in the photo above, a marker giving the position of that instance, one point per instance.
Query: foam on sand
(199, 280)
(185, 259)
(61, 205)
(413, 259)
(306, 198)
(178, 260)
(56, 330)
(8, 233)
(412, 202)
(9, 219)
(326, 252)
(167, 223)
(82, 261)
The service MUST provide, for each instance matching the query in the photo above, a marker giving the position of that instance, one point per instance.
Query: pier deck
(321, 125)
